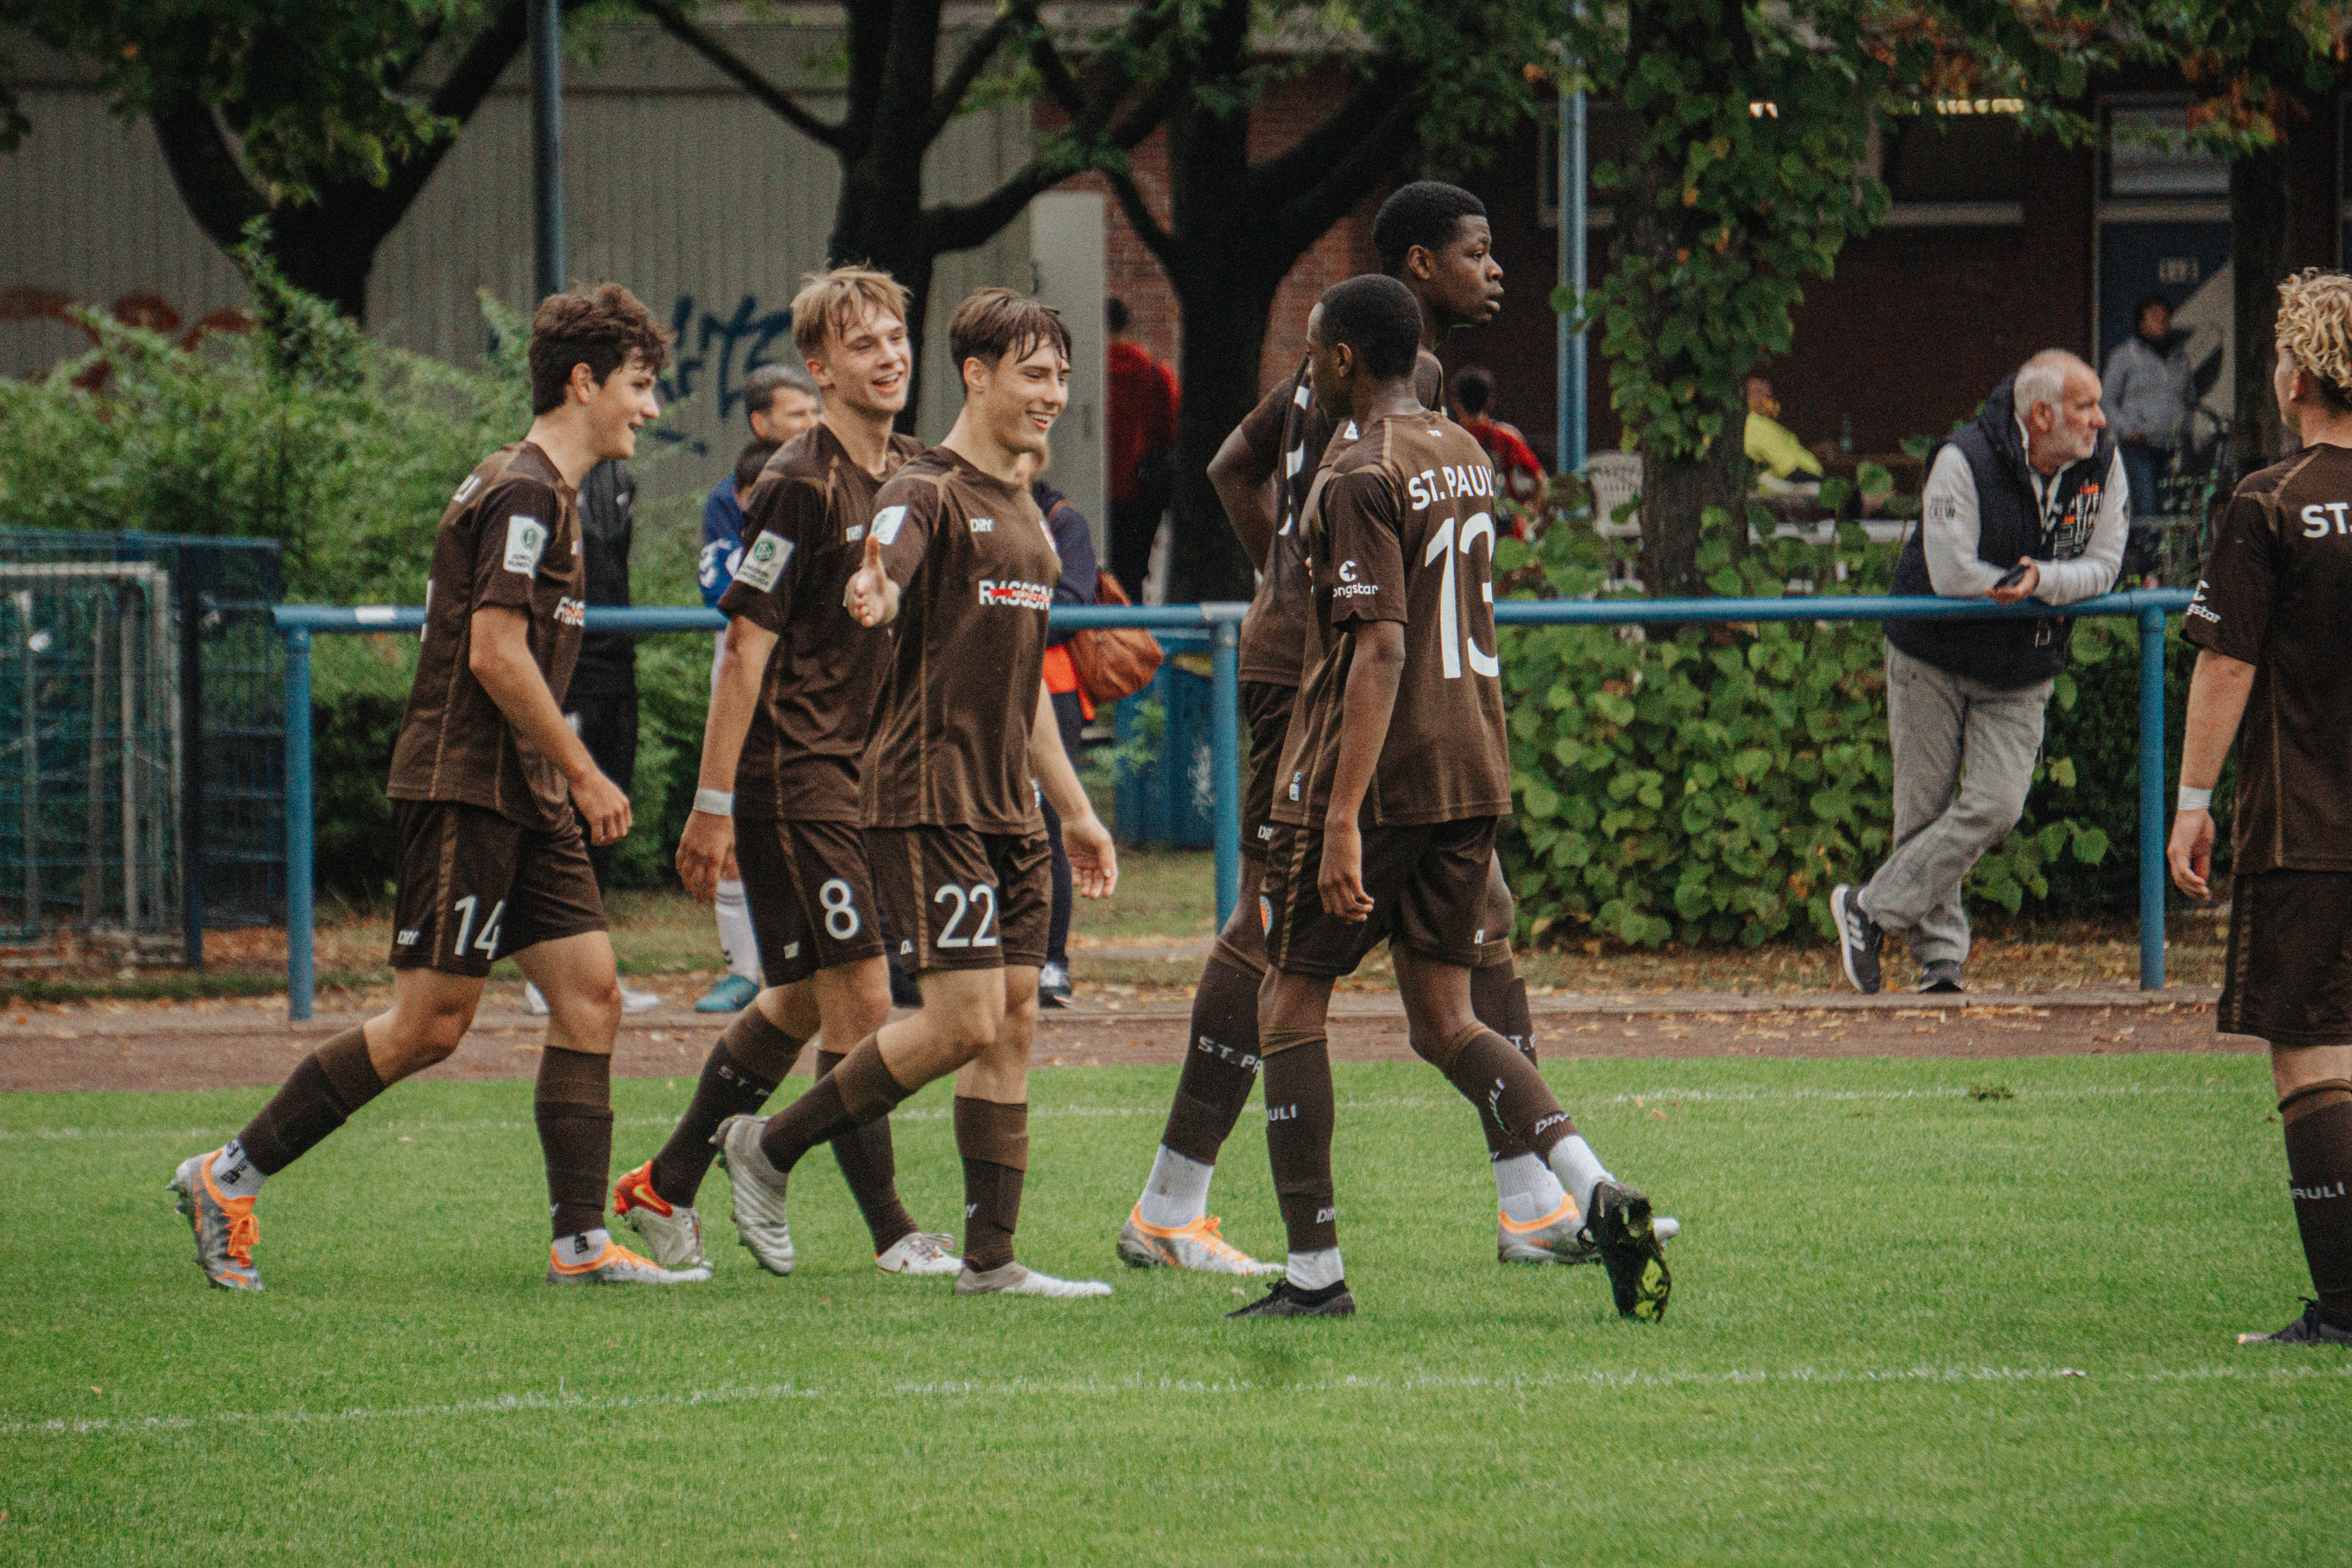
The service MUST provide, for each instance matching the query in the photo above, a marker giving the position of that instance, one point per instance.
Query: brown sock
(1498, 999)
(871, 1169)
(1222, 1067)
(744, 1067)
(572, 1103)
(1506, 1087)
(859, 1090)
(1300, 1112)
(2318, 1119)
(993, 1139)
(319, 1095)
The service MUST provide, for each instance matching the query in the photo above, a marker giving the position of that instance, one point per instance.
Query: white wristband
(2196, 799)
(715, 801)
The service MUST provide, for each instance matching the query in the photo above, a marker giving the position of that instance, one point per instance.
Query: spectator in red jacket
(1142, 394)
(1523, 474)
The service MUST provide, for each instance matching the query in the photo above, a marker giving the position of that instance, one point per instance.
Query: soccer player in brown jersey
(957, 563)
(1435, 239)
(791, 708)
(484, 777)
(2270, 620)
(1393, 775)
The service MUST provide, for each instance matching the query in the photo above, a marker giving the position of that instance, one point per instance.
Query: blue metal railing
(1222, 623)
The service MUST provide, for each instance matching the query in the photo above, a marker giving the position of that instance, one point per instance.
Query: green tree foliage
(1747, 177)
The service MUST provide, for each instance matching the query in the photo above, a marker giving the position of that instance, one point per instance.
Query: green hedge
(1711, 784)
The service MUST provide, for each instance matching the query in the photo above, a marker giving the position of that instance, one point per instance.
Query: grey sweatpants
(1964, 756)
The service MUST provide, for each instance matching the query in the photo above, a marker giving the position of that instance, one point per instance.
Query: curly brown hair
(2314, 325)
(603, 328)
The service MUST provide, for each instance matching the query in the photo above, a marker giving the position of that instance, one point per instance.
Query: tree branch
(1305, 218)
(206, 171)
(1312, 156)
(675, 23)
(976, 56)
(1156, 239)
(974, 221)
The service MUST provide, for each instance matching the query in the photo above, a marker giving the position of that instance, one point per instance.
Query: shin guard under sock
(2318, 1119)
(572, 1103)
(859, 1090)
(871, 1168)
(743, 1069)
(1498, 999)
(321, 1094)
(993, 1139)
(1221, 1065)
(1300, 1114)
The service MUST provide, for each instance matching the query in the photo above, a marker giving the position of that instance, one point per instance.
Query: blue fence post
(2151, 798)
(299, 914)
(1225, 756)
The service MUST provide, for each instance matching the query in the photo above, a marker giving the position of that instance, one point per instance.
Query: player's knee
(434, 1038)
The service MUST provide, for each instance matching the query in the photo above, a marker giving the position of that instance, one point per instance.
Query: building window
(2147, 159)
(1951, 153)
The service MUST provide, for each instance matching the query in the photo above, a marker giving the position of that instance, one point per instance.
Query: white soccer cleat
(638, 1001)
(1019, 1279)
(224, 1227)
(921, 1253)
(616, 1265)
(1560, 1237)
(1197, 1246)
(758, 1198)
(671, 1232)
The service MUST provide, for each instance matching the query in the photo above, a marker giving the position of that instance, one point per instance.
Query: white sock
(1177, 1192)
(1580, 1170)
(735, 936)
(234, 1171)
(1526, 1190)
(1315, 1271)
(586, 1248)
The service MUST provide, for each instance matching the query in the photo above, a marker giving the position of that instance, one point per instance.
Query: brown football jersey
(511, 536)
(1401, 527)
(976, 571)
(2277, 593)
(1290, 422)
(807, 522)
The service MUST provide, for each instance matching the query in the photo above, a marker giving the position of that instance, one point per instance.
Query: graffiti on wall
(711, 354)
(139, 308)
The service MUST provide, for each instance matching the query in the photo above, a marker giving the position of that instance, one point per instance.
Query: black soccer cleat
(2311, 1328)
(1859, 939)
(1287, 1300)
(1627, 1240)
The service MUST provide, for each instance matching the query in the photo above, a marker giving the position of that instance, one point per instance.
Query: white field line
(1598, 1379)
(1666, 1095)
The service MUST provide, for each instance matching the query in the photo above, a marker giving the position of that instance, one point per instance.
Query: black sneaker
(1622, 1233)
(1287, 1300)
(2311, 1328)
(1858, 938)
(1942, 978)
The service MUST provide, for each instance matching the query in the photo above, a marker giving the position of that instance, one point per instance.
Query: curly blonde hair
(2314, 325)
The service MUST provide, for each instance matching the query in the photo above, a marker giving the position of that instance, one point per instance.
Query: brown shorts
(1266, 712)
(1428, 887)
(475, 888)
(960, 898)
(811, 895)
(2288, 977)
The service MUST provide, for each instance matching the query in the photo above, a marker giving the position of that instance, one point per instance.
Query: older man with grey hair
(2027, 502)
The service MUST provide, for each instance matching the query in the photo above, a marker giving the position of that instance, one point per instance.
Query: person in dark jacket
(1073, 540)
(2028, 503)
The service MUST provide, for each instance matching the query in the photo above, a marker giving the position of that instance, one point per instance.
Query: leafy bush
(346, 451)
(1712, 783)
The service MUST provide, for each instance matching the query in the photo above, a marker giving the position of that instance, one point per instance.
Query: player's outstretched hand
(2190, 853)
(1094, 860)
(705, 854)
(1342, 878)
(867, 597)
(600, 800)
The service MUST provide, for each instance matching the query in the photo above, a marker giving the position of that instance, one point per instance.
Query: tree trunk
(872, 226)
(1677, 494)
(328, 248)
(2259, 205)
(1224, 334)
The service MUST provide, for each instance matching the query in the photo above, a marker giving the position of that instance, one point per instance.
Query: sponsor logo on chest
(1014, 596)
(572, 612)
(983, 525)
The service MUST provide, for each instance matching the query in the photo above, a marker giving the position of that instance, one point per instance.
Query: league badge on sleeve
(526, 540)
(886, 521)
(764, 562)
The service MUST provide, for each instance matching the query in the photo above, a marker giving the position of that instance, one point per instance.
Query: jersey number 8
(841, 921)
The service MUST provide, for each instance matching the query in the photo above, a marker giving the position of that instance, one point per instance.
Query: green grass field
(1910, 1326)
